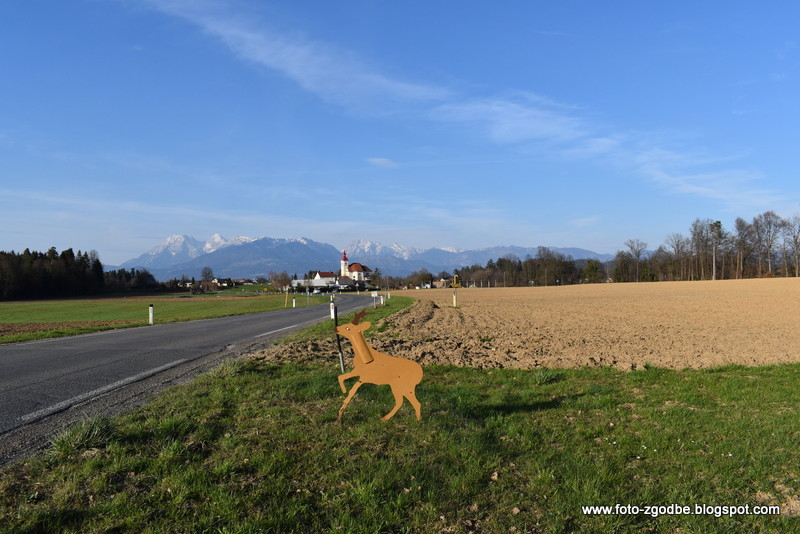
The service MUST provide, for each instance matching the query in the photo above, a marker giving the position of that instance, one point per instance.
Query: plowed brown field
(668, 324)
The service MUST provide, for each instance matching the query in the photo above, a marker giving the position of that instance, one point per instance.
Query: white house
(324, 278)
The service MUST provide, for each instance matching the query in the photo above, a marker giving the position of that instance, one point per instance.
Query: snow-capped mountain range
(249, 257)
(177, 249)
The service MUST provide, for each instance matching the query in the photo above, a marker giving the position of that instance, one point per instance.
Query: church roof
(356, 267)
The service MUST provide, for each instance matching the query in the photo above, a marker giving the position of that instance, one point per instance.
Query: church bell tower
(345, 270)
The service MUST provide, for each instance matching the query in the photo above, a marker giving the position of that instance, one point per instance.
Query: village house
(324, 279)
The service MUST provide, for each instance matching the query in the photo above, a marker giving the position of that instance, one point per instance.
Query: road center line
(63, 405)
(286, 328)
(278, 330)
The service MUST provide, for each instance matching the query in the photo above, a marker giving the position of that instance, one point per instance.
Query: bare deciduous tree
(636, 248)
(767, 227)
(680, 246)
(792, 230)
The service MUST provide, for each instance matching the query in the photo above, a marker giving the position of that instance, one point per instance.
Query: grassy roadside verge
(254, 447)
(324, 330)
(58, 318)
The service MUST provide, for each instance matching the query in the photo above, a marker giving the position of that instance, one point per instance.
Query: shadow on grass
(489, 410)
(59, 520)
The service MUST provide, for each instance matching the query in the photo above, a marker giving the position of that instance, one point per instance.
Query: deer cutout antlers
(373, 367)
(360, 315)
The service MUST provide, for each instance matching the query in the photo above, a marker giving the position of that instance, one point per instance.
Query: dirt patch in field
(7, 329)
(674, 325)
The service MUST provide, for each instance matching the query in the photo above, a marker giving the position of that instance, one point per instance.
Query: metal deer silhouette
(373, 367)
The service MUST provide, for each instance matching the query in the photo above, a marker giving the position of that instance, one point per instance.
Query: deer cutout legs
(346, 376)
(399, 394)
(348, 398)
(412, 398)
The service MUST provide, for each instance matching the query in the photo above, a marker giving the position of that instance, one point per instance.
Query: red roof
(326, 274)
(344, 256)
(358, 267)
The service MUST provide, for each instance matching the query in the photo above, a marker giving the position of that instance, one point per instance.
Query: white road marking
(286, 328)
(273, 331)
(63, 405)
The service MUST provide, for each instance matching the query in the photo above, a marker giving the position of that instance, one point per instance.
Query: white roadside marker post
(151, 314)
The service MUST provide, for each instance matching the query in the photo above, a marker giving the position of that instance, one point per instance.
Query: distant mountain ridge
(249, 257)
(178, 249)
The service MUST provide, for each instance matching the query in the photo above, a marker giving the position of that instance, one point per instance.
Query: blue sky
(449, 124)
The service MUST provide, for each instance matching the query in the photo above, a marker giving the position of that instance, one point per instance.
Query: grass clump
(256, 448)
(82, 436)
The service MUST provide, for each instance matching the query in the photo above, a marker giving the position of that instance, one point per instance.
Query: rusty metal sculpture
(373, 367)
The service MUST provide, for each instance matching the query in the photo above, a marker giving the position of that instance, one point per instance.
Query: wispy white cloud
(734, 187)
(382, 162)
(320, 68)
(591, 147)
(507, 118)
(585, 222)
(522, 117)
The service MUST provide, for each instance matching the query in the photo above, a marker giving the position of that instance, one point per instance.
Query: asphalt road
(40, 379)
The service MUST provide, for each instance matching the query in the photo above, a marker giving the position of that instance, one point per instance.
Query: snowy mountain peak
(240, 239)
(215, 242)
(175, 244)
(365, 248)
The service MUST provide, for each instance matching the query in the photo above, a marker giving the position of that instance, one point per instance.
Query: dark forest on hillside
(37, 275)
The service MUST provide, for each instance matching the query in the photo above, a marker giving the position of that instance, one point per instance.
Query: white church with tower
(350, 276)
(355, 271)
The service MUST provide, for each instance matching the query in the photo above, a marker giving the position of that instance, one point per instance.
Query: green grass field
(255, 447)
(133, 311)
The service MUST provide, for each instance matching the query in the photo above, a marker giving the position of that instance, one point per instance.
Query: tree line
(31, 275)
(766, 246)
(549, 267)
(54, 274)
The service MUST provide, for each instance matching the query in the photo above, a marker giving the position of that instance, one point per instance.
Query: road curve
(42, 378)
